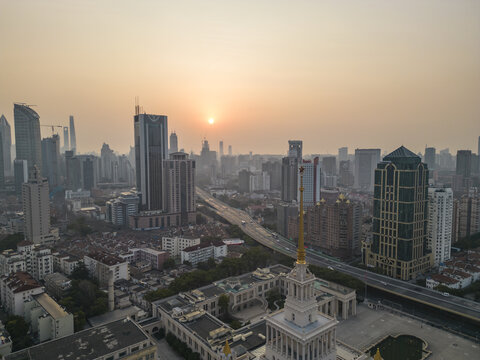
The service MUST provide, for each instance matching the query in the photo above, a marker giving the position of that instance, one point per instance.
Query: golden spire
(301, 247)
(377, 355)
(226, 349)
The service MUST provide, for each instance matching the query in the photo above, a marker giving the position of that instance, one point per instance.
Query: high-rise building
(464, 163)
(289, 178)
(295, 149)
(274, 169)
(430, 157)
(81, 171)
(312, 182)
(36, 207)
(220, 148)
(244, 181)
(107, 164)
(478, 153)
(285, 211)
(119, 209)
(345, 175)
(329, 165)
(179, 187)
(439, 225)
(335, 227)
(173, 143)
(342, 154)
(466, 217)
(366, 161)
(66, 140)
(27, 136)
(51, 160)
(151, 149)
(6, 135)
(445, 160)
(230, 150)
(2, 172)
(400, 208)
(20, 169)
(299, 330)
(73, 137)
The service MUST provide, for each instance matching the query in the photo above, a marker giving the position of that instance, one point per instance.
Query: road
(453, 304)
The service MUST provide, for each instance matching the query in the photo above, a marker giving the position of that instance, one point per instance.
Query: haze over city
(367, 74)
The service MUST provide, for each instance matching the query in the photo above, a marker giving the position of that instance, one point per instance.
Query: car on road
(330, 268)
(243, 222)
(445, 294)
(384, 283)
(287, 248)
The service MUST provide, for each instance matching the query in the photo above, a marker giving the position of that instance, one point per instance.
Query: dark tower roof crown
(401, 152)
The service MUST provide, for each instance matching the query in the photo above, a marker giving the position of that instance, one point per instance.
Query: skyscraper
(329, 165)
(230, 150)
(66, 140)
(312, 182)
(289, 178)
(342, 154)
(439, 225)
(27, 136)
(51, 160)
(6, 135)
(20, 169)
(2, 172)
(467, 215)
(365, 162)
(220, 148)
(299, 330)
(36, 207)
(73, 138)
(173, 143)
(430, 157)
(464, 163)
(295, 148)
(400, 208)
(107, 164)
(179, 187)
(151, 149)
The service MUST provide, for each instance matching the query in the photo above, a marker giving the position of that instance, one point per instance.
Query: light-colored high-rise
(366, 161)
(179, 187)
(6, 135)
(173, 143)
(151, 149)
(439, 225)
(299, 331)
(36, 207)
(311, 182)
(66, 139)
(27, 136)
(73, 137)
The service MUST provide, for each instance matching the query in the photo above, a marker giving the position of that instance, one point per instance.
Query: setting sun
(211, 121)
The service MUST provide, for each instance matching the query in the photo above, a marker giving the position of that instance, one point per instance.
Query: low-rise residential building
(174, 245)
(100, 265)
(47, 319)
(65, 263)
(122, 339)
(15, 289)
(155, 258)
(57, 284)
(204, 251)
(32, 258)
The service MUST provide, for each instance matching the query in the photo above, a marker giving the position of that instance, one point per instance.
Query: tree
(17, 327)
(11, 241)
(169, 263)
(223, 301)
(235, 324)
(80, 272)
(272, 296)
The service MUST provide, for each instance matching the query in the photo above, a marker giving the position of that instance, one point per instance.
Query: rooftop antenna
(137, 106)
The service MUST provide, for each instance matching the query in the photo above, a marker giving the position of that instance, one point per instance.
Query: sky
(331, 73)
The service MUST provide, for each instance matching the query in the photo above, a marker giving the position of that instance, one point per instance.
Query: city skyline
(327, 68)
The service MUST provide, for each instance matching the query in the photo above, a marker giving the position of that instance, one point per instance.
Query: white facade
(260, 182)
(15, 289)
(203, 252)
(311, 182)
(439, 226)
(120, 209)
(34, 259)
(174, 245)
(100, 266)
(47, 319)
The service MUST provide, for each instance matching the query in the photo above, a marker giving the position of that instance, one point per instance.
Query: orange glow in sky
(334, 73)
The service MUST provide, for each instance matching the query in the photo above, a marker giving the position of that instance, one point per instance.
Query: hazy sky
(333, 73)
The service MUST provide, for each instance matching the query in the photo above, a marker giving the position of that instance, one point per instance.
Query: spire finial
(301, 246)
(226, 349)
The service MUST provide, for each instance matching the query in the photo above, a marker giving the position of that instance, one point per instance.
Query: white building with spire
(300, 331)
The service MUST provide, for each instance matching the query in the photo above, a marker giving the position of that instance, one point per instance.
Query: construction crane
(53, 127)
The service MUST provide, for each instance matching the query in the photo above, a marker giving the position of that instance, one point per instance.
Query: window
(293, 317)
